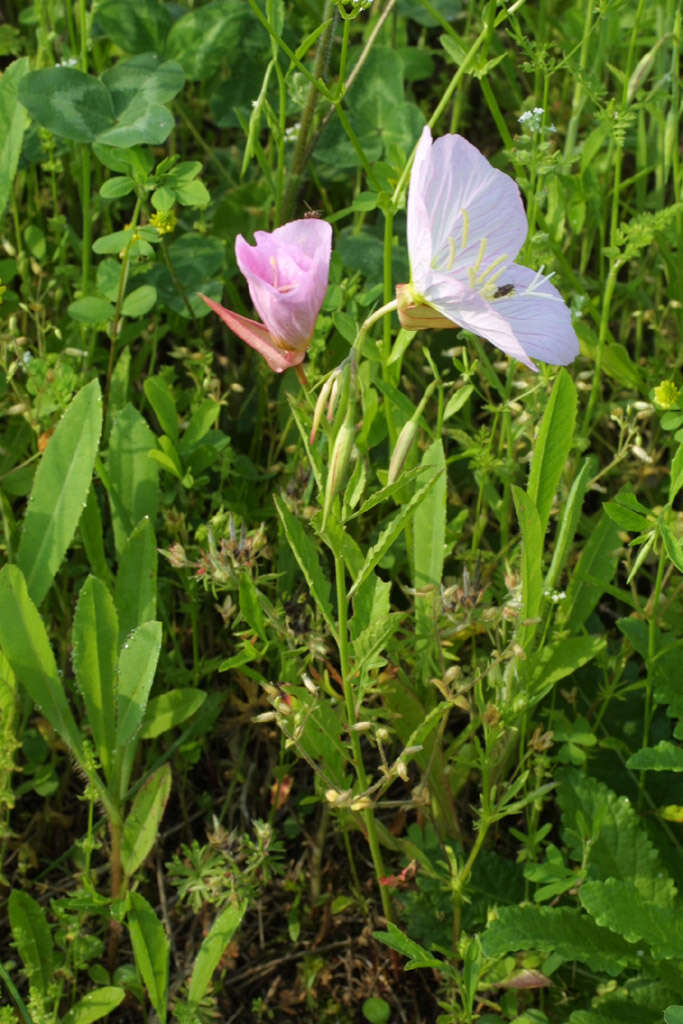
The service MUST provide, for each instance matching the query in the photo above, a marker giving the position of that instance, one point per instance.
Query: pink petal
(257, 337)
(287, 273)
(449, 177)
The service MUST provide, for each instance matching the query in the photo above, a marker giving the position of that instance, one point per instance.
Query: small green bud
(406, 439)
(325, 393)
(339, 462)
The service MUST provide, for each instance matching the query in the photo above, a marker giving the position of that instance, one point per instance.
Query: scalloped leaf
(622, 907)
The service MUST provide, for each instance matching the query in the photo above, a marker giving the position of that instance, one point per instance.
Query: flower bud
(406, 438)
(339, 462)
(325, 393)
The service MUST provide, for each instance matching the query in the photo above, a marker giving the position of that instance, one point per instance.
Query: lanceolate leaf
(552, 446)
(213, 947)
(60, 490)
(32, 938)
(27, 648)
(151, 950)
(136, 581)
(95, 640)
(141, 827)
(532, 547)
(307, 557)
(137, 665)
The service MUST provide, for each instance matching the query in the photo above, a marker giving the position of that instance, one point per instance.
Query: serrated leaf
(391, 532)
(664, 757)
(569, 933)
(620, 906)
(568, 520)
(417, 955)
(151, 949)
(213, 947)
(307, 557)
(60, 490)
(141, 827)
(33, 940)
(592, 574)
(532, 549)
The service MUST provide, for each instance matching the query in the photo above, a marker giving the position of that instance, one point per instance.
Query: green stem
(351, 717)
(651, 650)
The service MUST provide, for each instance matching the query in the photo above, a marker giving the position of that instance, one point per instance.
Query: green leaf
(552, 446)
(24, 640)
(429, 537)
(391, 532)
(132, 478)
(664, 757)
(116, 188)
(193, 193)
(203, 419)
(619, 905)
(566, 932)
(208, 38)
(457, 400)
(307, 557)
(138, 87)
(532, 551)
(137, 665)
(170, 709)
(91, 310)
(676, 479)
(95, 1005)
(137, 26)
(160, 397)
(139, 301)
(627, 512)
(95, 646)
(136, 581)
(213, 947)
(559, 659)
(340, 540)
(673, 1015)
(92, 535)
(68, 103)
(60, 489)
(250, 607)
(33, 940)
(13, 122)
(151, 949)
(593, 573)
(568, 521)
(143, 125)
(417, 955)
(141, 828)
(674, 548)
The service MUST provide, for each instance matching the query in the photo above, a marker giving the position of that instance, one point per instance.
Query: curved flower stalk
(287, 272)
(466, 224)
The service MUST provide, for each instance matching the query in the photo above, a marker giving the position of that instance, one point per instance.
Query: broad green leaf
(532, 551)
(208, 38)
(116, 188)
(60, 490)
(137, 665)
(150, 125)
(137, 26)
(592, 574)
(91, 310)
(212, 949)
(620, 846)
(627, 512)
(307, 557)
(391, 532)
(95, 646)
(170, 709)
(673, 1015)
(24, 640)
(139, 301)
(568, 521)
(141, 827)
(151, 949)
(95, 1005)
(203, 419)
(132, 478)
(135, 593)
(68, 102)
(552, 446)
(13, 122)
(664, 757)
(33, 940)
(569, 933)
(160, 397)
(619, 905)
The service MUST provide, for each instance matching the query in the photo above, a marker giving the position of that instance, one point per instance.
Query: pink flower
(287, 273)
(466, 224)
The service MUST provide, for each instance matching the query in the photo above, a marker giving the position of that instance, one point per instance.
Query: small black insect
(503, 289)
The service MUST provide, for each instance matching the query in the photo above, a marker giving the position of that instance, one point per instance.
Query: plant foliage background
(278, 743)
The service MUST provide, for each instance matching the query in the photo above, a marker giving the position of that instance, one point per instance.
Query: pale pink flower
(287, 272)
(466, 224)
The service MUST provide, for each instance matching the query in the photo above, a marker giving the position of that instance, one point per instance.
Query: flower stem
(351, 716)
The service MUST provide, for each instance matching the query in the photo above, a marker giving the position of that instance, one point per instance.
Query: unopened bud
(406, 439)
(339, 462)
(330, 384)
(361, 804)
(402, 770)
